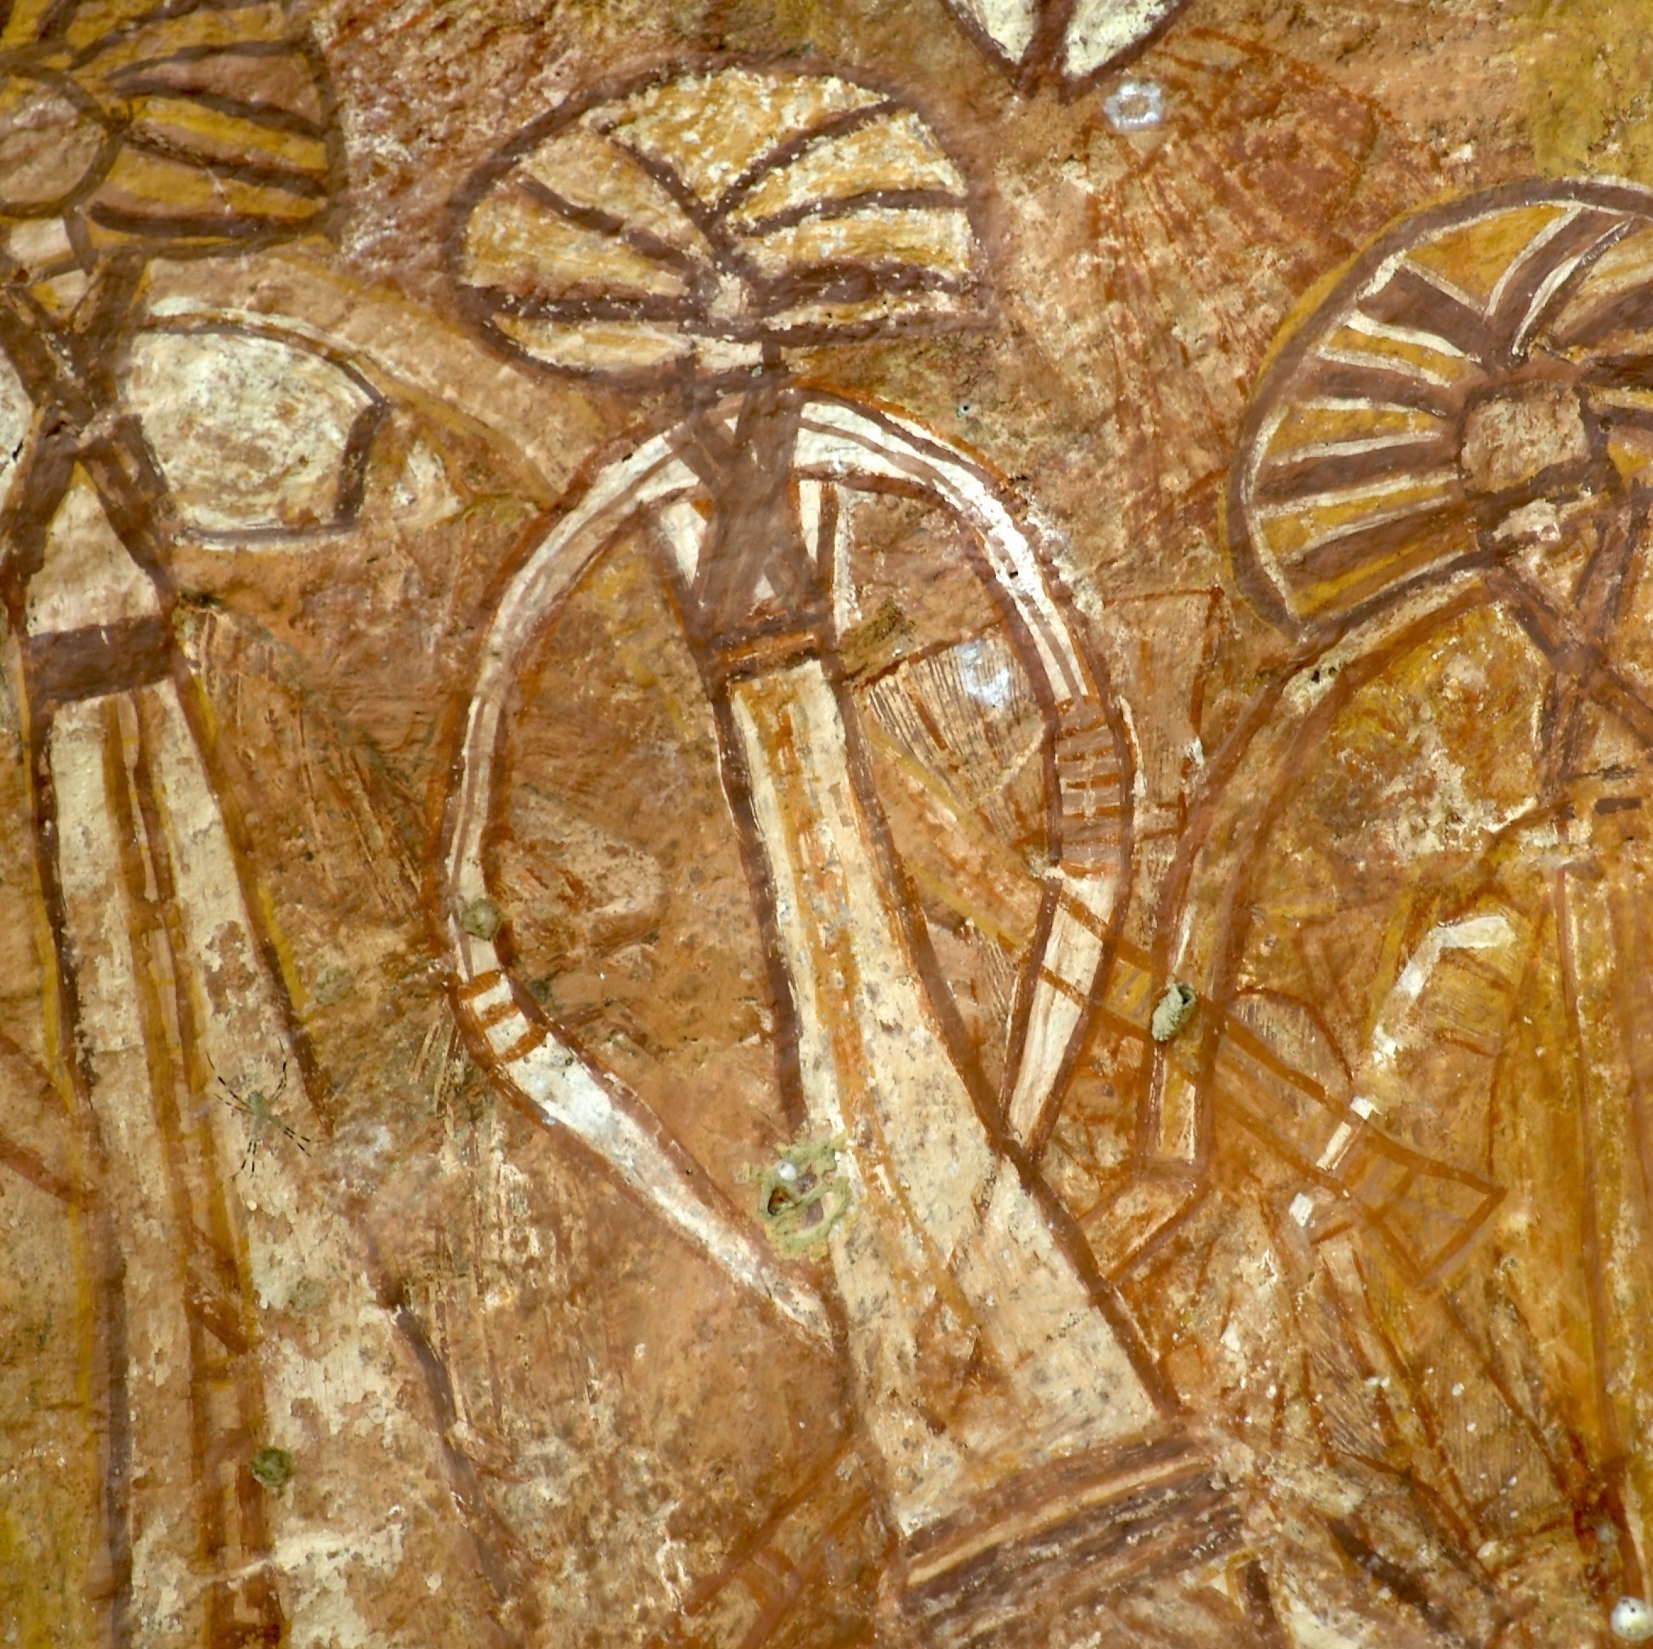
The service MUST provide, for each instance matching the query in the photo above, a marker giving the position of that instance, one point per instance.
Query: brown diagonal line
(744, 539)
(783, 153)
(1383, 386)
(1630, 311)
(843, 206)
(132, 492)
(480, 984)
(217, 1316)
(310, 185)
(1598, 596)
(142, 926)
(606, 223)
(1235, 1106)
(1573, 653)
(1425, 530)
(26, 1165)
(1023, 993)
(1388, 1574)
(1612, 1468)
(134, 83)
(1617, 417)
(116, 1503)
(705, 446)
(107, 1337)
(500, 1559)
(1063, 987)
(1096, 1479)
(57, 19)
(168, 11)
(781, 996)
(1535, 1431)
(48, 465)
(364, 431)
(772, 1617)
(259, 924)
(1411, 300)
(1593, 231)
(1627, 917)
(225, 1312)
(242, 227)
(216, 1237)
(1048, 46)
(1625, 369)
(1285, 478)
(19, 1157)
(34, 345)
(1257, 1604)
(748, 1546)
(671, 181)
(297, 46)
(832, 957)
(103, 315)
(1237, 1032)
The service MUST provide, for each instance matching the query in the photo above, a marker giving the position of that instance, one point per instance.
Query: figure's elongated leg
(984, 1347)
(96, 692)
(1000, 1347)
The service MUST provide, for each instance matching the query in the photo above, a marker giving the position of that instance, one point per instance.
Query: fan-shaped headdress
(1069, 42)
(1490, 356)
(701, 212)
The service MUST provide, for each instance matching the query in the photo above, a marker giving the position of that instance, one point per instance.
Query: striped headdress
(183, 127)
(1484, 357)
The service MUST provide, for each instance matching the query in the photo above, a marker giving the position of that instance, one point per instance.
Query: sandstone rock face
(823, 824)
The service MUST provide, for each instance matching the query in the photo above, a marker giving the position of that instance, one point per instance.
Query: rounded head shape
(1477, 380)
(704, 217)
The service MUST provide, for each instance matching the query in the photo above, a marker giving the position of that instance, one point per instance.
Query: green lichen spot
(308, 1295)
(272, 1467)
(1173, 1010)
(876, 641)
(480, 918)
(803, 1196)
(333, 984)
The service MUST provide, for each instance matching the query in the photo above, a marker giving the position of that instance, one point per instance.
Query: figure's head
(1479, 383)
(1069, 44)
(707, 218)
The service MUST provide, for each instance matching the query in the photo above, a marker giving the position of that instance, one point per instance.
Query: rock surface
(822, 823)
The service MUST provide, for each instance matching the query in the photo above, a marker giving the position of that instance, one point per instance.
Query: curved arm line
(523, 1052)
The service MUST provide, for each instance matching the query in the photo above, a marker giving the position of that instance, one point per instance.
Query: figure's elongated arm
(510, 1033)
(1091, 857)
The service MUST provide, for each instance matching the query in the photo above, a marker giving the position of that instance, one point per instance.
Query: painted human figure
(990, 1362)
(131, 133)
(1436, 1005)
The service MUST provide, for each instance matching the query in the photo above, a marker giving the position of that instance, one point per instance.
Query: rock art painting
(822, 825)
(1069, 42)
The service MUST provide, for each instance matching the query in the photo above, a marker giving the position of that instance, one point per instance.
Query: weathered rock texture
(823, 823)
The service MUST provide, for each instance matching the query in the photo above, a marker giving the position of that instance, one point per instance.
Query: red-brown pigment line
(1613, 1465)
